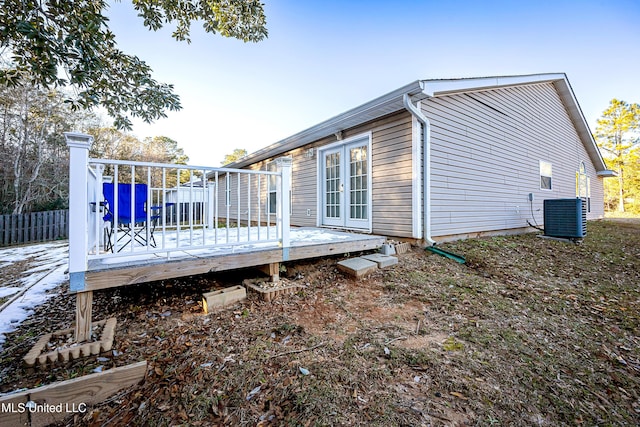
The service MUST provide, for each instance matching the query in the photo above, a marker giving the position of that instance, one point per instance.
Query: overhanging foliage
(56, 43)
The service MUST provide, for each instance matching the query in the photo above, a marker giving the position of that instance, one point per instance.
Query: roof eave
(607, 173)
(422, 89)
(575, 113)
(450, 86)
(379, 107)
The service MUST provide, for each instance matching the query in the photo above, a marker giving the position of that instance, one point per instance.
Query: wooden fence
(34, 227)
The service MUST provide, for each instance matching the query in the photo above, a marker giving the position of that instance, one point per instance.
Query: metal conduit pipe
(426, 156)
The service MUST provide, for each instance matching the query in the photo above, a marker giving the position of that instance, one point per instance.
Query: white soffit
(446, 87)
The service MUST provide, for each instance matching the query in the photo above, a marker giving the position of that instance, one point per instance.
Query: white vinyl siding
(486, 148)
(391, 176)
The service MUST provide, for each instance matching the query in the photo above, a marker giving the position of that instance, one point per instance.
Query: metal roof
(423, 89)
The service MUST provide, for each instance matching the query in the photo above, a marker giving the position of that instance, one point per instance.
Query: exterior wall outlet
(308, 212)
(531, 198)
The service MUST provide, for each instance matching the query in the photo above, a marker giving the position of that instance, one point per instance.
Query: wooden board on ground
(55, 402)
(13, 410)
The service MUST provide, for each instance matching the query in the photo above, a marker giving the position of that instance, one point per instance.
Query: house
(442, 159)
(433, 160)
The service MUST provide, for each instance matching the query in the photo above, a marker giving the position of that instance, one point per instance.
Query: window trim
(271, 192)
(272, 166)
(583, 191)
(550, 176)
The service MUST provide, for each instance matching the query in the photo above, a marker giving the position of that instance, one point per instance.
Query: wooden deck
(305, 243)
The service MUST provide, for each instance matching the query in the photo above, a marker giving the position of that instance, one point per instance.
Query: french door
(345, 186)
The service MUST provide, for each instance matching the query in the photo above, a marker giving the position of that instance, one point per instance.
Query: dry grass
(529, 332)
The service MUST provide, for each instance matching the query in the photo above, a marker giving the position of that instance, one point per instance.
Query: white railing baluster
(178, 209)
(268, 208)
(191, 207)
(115, 211)
(259, 205)
(205, 194)
(197, 208)
(248, 208)
(163, 209)
(238, 203)
(227, 181)
(132, 218)
(215, 207)
(148, 208)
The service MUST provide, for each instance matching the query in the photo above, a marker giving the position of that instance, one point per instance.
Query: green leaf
(48, 36)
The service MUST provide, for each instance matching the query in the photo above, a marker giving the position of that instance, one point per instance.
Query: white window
(272, 188)
(583, 185)
(546, 175)
(227, 190)
(581, 182)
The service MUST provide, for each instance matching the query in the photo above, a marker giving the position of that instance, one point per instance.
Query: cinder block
(382, 260)
(357, 267)
(388, 249)
(223, 297)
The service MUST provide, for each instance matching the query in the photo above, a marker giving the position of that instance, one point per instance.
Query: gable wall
(486, 148)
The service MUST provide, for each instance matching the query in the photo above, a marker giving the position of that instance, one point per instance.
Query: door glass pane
(358, 190)
(332, 185)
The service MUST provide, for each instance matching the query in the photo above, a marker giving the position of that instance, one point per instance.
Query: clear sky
(324, 57)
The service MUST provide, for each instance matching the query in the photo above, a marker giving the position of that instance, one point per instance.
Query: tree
(56, 43)
(237, 154)
(111, 143)
(33, 173)
(616, 133)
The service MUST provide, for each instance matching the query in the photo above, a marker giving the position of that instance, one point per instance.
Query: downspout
(426, 156)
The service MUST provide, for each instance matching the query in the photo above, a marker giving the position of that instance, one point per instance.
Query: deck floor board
(113, 272)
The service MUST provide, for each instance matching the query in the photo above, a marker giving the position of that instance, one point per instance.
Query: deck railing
(186, 208)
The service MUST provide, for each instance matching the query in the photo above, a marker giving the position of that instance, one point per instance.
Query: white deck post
(283, 204)
(79, 211)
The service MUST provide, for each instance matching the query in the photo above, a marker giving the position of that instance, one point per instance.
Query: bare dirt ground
(529, 332)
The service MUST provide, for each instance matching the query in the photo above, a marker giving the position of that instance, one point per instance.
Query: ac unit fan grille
(565, 218)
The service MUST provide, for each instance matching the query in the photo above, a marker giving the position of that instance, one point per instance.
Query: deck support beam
(84, 301)
(272, 270)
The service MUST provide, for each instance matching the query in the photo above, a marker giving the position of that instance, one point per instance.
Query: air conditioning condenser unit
(565, 218)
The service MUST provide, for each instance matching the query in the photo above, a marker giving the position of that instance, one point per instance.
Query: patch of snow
(49, 261)
(50, 264)
(193, 243)
(6, 291)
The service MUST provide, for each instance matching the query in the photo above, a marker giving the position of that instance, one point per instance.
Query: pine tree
(617, 135)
